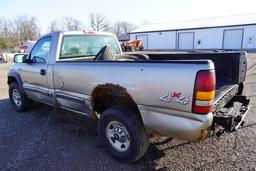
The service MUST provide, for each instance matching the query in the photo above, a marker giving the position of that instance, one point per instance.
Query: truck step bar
(232, 123)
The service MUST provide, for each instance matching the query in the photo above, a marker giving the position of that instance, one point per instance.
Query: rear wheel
(122, 134)
(17, 97)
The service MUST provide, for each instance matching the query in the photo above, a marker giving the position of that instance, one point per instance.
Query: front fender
(14, 76)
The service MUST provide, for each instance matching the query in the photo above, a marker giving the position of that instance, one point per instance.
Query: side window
(40, 52)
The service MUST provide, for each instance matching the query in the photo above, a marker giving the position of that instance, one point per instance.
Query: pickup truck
(179, 95)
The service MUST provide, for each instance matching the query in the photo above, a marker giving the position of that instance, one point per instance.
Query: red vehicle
(132, 45)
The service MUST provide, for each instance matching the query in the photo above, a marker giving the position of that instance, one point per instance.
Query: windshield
(86, 45)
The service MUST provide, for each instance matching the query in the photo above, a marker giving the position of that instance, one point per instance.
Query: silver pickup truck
(180, 95)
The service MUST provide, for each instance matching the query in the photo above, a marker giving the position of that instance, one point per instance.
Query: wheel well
(107, 95)
(11, 80)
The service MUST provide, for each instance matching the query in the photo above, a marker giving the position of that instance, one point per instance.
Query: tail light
(204, 92)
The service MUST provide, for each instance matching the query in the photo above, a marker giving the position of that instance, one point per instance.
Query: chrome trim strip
(244, 115)
(224, 93)
(76, 97)
(71, 98)
(58, 93)
(74, 111)
(38, 89)
(35, 88)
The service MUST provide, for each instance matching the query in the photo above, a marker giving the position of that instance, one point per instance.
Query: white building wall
(133, 36)
(249, 40)
(162, 40)
(159, 40)
(210, 38)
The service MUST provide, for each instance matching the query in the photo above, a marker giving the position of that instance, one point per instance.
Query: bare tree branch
(70, 24)
(26, 28)
(53, 26)
(98, 22)
(122, 28)
(13, 32)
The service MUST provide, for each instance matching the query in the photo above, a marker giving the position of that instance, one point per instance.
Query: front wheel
(17, 97)
(122, 134)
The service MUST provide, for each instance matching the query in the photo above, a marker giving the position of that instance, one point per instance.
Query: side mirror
(20, 58)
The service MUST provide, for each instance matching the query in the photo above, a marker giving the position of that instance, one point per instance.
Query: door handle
(42, 72)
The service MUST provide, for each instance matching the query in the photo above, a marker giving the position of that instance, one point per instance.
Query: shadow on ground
(39, 139)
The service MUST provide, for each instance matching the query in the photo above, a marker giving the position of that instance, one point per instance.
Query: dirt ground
(35, 141)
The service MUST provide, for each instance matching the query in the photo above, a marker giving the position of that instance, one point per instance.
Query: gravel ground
(35, 141)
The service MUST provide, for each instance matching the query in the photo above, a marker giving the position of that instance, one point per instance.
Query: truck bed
(227, 67)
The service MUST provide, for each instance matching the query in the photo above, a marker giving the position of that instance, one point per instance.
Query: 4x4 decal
(176, 97)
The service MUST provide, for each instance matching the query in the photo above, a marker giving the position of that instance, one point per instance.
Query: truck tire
(122, 134)
(18, 98)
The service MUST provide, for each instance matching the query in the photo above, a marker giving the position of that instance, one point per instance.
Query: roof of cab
(79, 33)
(85, 32)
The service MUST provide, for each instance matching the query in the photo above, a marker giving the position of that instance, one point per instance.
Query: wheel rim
(118, 136)
(16, 97)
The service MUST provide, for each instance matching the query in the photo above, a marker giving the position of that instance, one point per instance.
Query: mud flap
(232, 123)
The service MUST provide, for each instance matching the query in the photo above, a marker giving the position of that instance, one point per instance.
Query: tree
(53, 26)
(122, 28)
(5, 33)
(65, 24)
(127, 27)
(26, 27)
(98, 22)
(14, 31)
(4, 44)
(117, 29)
(70, 24)
(4, 27)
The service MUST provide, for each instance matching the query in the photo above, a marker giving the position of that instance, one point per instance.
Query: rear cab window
(86, 47)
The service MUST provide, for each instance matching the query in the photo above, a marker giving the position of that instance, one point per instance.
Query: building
(231, 32)
(123, 38)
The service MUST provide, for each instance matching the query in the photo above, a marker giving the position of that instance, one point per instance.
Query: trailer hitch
(232, 123)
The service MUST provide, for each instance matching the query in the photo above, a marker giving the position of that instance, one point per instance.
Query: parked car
(179, 95)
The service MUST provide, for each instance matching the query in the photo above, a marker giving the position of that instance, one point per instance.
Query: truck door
(34, 74)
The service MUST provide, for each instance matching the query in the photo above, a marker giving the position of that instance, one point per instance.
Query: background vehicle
(132, 45)
(25, 47)
(178, 95)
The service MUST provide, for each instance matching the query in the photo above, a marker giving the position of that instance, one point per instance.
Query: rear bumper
(231, 122)
(176, 124)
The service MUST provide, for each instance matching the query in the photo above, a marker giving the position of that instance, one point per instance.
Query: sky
(134, 11)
